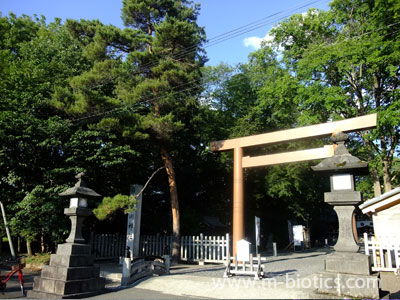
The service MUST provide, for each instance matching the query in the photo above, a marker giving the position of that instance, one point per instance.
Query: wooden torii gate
(240, 162)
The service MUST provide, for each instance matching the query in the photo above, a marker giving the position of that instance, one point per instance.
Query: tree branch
(147, 182)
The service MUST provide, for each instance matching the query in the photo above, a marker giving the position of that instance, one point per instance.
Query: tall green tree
(34, 58)
(347, 60)
(171, 30)
(147, 76)
(40, 148)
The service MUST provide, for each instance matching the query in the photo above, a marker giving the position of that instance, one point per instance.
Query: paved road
(139, 293)
(192, 281)
(199, 282)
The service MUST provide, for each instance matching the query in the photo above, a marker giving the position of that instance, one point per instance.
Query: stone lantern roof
(80, 189)
(342, 161)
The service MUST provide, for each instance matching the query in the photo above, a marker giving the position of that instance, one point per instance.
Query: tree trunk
(29, 248)
(42, 248)
(374, 172)
(176, 231)
(377, 183)
(387, 181)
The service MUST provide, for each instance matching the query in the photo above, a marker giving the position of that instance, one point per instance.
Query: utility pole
(7, 231)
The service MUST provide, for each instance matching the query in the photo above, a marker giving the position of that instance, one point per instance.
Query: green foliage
(38, 258)
(320, 66)
(110, 205)
(84, 96)
(41, 209)
(347, 62)
(40, 149)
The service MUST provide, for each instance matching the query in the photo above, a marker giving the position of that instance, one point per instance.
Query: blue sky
(217, 16)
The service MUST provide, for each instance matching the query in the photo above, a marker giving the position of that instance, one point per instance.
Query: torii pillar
(238, 197)
(240, 162)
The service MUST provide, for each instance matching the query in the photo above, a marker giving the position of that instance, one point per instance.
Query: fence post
(275, 249)
(101, 242)
(197, 241)
(187, 247)
(190, 248)
(167, 262)
(227, 246)
(214, 248)
(158, 244)
(201, 258)
(381, 254)
(366, 243)
(374, 252)
(219, 246)
(182, 239)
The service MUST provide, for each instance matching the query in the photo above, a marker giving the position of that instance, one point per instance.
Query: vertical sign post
(257, 219)
(133, 223)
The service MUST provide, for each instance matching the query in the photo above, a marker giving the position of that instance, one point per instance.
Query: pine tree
(168, 66)
(150, 71)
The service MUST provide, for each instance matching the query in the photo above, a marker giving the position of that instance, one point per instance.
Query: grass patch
(38, 258)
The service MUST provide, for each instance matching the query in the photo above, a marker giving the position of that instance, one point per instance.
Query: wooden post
(236, 262)
(201, 246)
(7, 231)
(215, 245)
(226, 246)
(238, 198)
(189, 257)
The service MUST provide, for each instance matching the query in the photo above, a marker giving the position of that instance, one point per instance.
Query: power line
(239, 30)
(198, 84)
(224, 37)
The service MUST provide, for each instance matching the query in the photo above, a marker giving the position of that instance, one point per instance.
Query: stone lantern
(71, 272)
(346, 266)
(78, 210)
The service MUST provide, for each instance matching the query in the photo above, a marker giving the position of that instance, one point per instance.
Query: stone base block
(69, 287)
(70, 274)
(76, 273)
(340, 284)
(58, 260)
(73, 249)
(350, 263)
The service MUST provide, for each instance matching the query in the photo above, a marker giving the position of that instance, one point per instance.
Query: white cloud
(255, 41)
(252, 42)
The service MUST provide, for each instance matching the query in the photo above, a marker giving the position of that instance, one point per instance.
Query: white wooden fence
(385, 253)
(193, 248)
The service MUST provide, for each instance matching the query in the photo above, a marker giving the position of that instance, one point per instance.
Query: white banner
(298, 235)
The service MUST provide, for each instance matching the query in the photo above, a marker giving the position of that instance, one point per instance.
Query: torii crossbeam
(240, 162)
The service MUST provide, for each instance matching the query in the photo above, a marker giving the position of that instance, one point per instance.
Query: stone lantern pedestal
(71, 272)
(347, 272)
